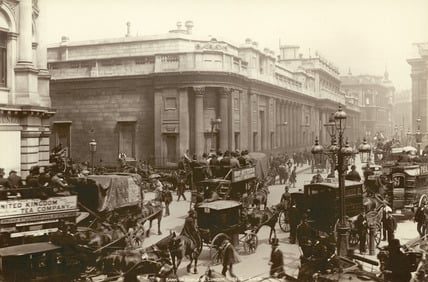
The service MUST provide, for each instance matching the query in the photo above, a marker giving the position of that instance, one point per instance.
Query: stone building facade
(419, 76)
(24, 88)
(374, 95)
(155, 97)
(402, 114)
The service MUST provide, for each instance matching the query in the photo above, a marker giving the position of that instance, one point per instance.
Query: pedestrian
(398, 264)
(285, 198)
(361, 225)
(276, 260)
(305, 236)
(158, 189)
(293, 177)
(283, 173)
(181, 186)
(353, 174)
(3, 181)
(420, 219)
(167, 198)
(229, 257)
(294, 220)
(390, 225)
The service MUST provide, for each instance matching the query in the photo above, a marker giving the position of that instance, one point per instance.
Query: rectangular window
(237, 141)
(171, 148)
(127, 138)
(62, 135)
(170, 103)
(3, 58)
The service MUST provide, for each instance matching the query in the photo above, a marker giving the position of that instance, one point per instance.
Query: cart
(221, 220)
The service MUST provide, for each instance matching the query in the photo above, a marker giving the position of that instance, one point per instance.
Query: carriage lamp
(365, 151)
(317, 150)
(92, 149)
(214, 125)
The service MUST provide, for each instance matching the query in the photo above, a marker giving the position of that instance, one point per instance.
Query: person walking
(276, 260)
(158, 189)
(361, 225)
(305, 236)
(390, 226)
(167, 197)
(420, 219)
(181, 185)
(293, 177)
(283, 173)
(285, 198)
(229, 258)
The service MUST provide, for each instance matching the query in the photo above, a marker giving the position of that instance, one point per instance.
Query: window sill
(3, 88)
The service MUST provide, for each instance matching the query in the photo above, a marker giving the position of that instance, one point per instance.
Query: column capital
(12, 35)
(199, 90)
(226, 91)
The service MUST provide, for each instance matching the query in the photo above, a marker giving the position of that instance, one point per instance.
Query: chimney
(64, 40)
(178, 25)
(248, 41)
(189, 26)
(128, 29)
(255, 44)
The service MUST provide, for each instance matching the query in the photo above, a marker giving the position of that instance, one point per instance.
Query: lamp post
(92, 149)
(365, 151)
(339, 153)
(214, 124)
(418, 135)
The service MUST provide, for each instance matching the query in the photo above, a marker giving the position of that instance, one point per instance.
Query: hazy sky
(364, 35)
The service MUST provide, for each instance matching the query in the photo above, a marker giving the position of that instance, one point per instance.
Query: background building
(419, 75)
(24, 88)
(375, 96)
(155, 97)
(402, 114)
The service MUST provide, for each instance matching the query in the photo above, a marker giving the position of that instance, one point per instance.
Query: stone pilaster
(225, 120)
(199, 120)
(184, 124)
(25, 31)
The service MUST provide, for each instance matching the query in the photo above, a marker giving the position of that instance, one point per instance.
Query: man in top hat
(58, 184)
(190, 229)
(276, 260)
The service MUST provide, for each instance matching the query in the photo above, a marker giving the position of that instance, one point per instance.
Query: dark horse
(183, 246)
(151, 261)
(150, 211)
(259, 194)
(267, 217)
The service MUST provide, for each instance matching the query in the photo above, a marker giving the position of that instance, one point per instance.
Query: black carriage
(221, 220)
(320, 202)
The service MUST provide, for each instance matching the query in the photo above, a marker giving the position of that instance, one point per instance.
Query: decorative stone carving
(199, 90)
(226, 91)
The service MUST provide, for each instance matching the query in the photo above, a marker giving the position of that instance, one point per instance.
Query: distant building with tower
(25, 106)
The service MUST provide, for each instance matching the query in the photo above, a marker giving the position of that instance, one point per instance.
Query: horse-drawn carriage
(221, 220)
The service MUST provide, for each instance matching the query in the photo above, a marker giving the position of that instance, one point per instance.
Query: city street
(256, 265)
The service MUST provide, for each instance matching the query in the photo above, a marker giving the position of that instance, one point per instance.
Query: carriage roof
(220, 205)
(333, 185)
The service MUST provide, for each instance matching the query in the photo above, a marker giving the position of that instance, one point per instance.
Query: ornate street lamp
(418, 135)
(214, 125)
(365, 151)
(317, 150)
(333, 148)
(92, 149)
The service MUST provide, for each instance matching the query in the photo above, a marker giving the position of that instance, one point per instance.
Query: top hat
(275, 242)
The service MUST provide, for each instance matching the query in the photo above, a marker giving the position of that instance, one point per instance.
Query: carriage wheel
(215, 253)
(423, 200)
(378, 234)
(251, 241)
(283, 221)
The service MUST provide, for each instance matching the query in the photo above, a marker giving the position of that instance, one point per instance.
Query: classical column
(199, 120)
(184, 126)
(11, 62)
(288, 132)
(157, 134)
(225, 120)
(280, 121)
(25, 31)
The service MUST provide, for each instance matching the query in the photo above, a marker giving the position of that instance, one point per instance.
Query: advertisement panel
(243, 174)
(22, 207)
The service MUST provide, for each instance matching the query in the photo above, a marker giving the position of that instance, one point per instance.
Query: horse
(260, 195)
(268, 217)
(150, 211)
(183, 246)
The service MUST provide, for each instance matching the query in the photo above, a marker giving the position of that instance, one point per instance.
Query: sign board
(22, 207)
(424, 169)
(39, 217)
(243, 174)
